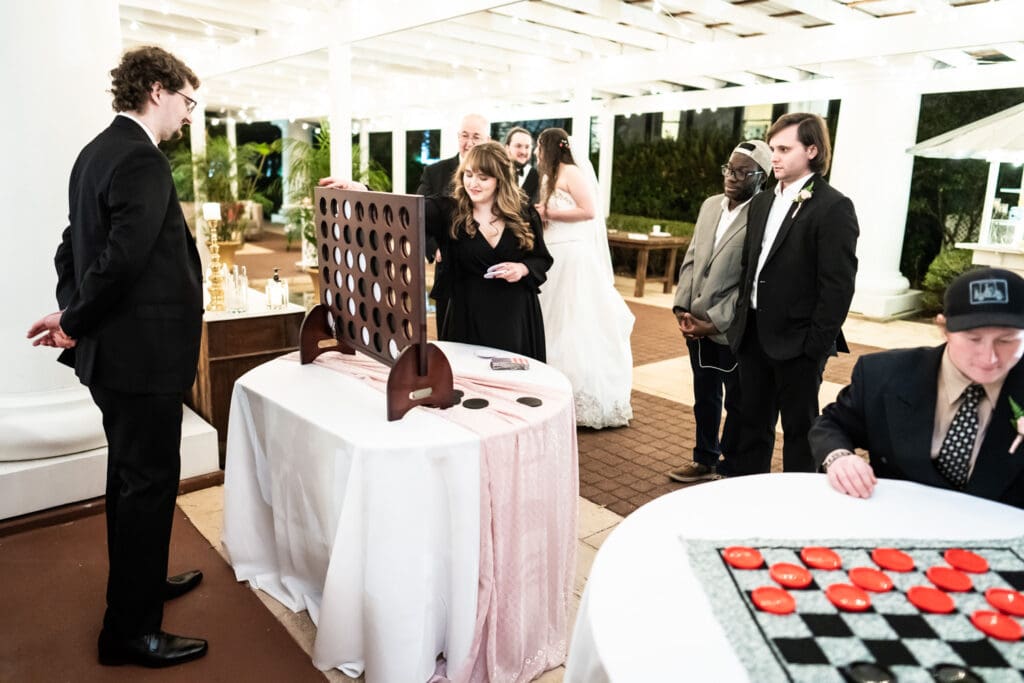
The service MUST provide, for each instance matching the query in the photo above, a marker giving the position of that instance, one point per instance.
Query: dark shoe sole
(119, 659)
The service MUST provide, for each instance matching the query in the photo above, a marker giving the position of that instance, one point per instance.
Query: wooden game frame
(372, 293)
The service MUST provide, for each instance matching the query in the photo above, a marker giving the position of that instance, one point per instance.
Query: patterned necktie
(954, 461)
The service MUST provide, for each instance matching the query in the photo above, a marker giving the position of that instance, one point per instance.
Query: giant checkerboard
(818, 640)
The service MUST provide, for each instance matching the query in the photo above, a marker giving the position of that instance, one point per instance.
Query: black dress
(491, 312)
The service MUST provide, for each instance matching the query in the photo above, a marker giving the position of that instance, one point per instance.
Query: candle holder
(216, 279)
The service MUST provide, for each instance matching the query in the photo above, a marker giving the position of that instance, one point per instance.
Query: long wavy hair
(553, 144)
(490, 158)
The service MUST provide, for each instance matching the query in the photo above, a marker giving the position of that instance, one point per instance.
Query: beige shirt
(948, 398)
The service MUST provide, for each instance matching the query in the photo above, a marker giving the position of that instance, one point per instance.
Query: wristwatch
(833, 456)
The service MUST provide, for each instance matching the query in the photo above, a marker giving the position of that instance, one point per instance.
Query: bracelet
(833, 456)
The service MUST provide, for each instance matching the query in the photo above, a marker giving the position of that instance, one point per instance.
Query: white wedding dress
(586, 322)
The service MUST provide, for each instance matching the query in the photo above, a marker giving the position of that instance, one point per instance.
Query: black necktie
(520, 168)
(954, 461)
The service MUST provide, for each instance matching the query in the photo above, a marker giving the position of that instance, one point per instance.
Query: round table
(644, 616)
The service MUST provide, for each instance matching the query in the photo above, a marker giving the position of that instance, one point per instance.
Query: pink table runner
(529, 487)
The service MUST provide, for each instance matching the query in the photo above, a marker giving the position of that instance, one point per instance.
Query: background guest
(799, 266)
(705, 305)
(440, 179)
(939, 416)
(519, 144)
(586, 322)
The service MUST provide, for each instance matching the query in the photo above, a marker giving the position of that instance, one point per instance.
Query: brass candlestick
(216, 277)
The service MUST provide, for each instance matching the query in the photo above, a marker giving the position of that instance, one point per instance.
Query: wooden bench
(644, 244)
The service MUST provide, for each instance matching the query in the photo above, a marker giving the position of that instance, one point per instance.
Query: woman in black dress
(494, 242)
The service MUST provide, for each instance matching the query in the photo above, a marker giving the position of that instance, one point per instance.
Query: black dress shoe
(154, 650)
(177, 586)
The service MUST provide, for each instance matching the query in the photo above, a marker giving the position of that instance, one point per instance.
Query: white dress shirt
(780, 207)
(526, 172)
(727, 217)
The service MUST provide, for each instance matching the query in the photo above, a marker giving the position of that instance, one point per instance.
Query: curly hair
(553, 145)
(490, 158)
(132, 79)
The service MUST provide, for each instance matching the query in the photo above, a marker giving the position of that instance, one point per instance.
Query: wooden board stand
(370, 251)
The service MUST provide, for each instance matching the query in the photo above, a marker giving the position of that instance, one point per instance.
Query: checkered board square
(816, 641)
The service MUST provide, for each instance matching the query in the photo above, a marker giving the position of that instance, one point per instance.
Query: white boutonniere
(801, 197)
(1017, 422)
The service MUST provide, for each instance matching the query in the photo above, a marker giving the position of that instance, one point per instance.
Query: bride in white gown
(586, 322)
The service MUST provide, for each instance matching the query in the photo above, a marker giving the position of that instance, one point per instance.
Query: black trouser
(769, 387)
(710, 363)
(440, 294)
(143, 468)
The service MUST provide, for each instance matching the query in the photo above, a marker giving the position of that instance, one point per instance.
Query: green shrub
(944, 268)
(624, 260)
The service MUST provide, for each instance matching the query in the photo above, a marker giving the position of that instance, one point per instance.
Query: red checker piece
(870, 579)
(892, 559)
(742, 557)
(847, 597)
(773, 599)
(790, 575)
(966, 561)
(821, 558)
(1006, 600)
(997, 625)
(949, 579)
(928, 599)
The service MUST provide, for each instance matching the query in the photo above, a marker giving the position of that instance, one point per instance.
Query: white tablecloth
(372, 526)
(644, 615)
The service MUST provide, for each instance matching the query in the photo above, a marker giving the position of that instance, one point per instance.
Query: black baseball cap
(985, 297)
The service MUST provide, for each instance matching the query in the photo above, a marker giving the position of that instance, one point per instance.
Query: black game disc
(867, 672)
(458, 393)
(953, 673)
(529, 401)
(475, 403)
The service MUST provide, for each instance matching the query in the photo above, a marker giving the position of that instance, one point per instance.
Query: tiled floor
(621, 469)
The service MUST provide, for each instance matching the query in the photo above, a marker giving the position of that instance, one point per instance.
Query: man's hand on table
(852, 475)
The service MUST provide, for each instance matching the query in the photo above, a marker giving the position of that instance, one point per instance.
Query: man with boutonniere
(798, 269)
(947, 416)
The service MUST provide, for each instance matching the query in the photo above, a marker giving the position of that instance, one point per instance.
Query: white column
(450, 137)
(581, 122)
(606, 134)
(364, 148)
(398, 179)
(232, 132)
(872, 167)
(197, 141)
(46, 46)
(339, 77)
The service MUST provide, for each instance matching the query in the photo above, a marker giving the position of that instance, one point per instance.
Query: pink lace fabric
(529, 485)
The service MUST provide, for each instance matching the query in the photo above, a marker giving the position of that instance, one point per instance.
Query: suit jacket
(709, 277)
(129, 278)
(806, 285)
(438, 180)
(889, 410)
(531, 185)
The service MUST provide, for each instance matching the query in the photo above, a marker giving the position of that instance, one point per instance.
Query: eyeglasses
(190, 104)
(738, 175)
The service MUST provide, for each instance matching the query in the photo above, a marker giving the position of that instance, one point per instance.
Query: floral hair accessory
(801, 197)
(563, 143)
(1017, 422)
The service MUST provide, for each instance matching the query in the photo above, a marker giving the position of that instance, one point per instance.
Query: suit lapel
(706, 244)
(912, 420)
(791, 215)
(739, 222)
(996, 468)
(757, 218)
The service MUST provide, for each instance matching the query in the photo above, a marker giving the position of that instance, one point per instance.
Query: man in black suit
(519, 144)
(438, 179)
(130, 293)
(799, 265)
(943, 415)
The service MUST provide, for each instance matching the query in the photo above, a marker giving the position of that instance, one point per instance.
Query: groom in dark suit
(519, 144)
(131, 298)
(438, 179)
(941, 416)
(799, 265)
